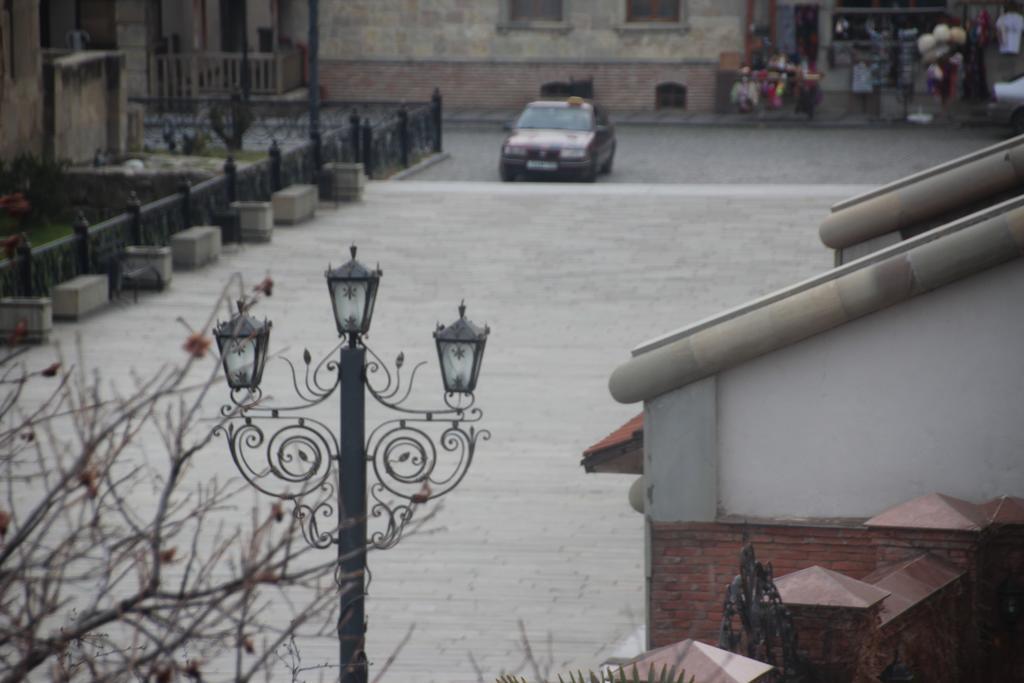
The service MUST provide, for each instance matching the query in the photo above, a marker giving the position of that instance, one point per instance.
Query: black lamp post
(409, 468)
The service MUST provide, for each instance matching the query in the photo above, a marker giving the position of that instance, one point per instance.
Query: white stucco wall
(925, 396)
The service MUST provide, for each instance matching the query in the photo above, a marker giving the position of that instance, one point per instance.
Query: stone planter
(35, 312)
(342, 182)
(147, 267)
(256, 220)
(294, 204)
(195, 247)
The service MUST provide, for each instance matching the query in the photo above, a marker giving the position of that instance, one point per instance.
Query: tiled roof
(706, 663)
(1004, 510)
(911, 582)
(824, 587)
(933, 511)
(621, 451)
(623, 434)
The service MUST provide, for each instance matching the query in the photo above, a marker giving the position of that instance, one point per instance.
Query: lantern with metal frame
(243, 342)
(353, 289)
(460, 348)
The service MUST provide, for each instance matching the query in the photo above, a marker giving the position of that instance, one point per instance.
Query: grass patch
(38, 235)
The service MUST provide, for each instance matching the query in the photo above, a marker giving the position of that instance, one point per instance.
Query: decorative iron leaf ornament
(766, 624)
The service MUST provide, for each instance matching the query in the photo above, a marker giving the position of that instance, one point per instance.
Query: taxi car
(559, 138)
(1007, 105)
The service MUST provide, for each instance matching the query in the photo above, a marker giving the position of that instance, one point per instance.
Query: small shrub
(43, 184)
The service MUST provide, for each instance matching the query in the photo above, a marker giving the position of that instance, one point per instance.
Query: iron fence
(392, 139)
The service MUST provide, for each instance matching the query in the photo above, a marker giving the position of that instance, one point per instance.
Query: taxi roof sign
(575, 101)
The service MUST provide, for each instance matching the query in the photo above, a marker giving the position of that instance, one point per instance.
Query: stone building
(21, 97)
(501, 54)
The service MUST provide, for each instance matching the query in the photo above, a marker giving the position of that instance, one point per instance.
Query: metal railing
(392, 142)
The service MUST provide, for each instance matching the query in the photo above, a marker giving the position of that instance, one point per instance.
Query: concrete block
(256, 219)
(342, 182)
(294, 204)
(148, 267)
(79, 296)
(195, 247)
(35, 312)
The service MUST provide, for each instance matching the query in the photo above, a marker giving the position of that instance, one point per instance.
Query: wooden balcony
(203, 74)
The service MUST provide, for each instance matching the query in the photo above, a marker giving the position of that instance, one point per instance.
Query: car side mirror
(507, 125)
(601, 128)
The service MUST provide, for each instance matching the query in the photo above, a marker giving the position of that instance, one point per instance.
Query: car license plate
(541, 165)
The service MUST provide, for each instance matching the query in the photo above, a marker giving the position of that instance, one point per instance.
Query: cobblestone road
(709, 154)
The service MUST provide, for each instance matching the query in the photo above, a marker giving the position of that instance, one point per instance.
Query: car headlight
(574, 153)
(514, 151)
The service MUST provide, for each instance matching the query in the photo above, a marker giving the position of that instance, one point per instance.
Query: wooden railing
(195, 74)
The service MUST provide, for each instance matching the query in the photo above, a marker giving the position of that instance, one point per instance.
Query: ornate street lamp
(353, 289)
(242, 341)
(460, 349)
(324, 473)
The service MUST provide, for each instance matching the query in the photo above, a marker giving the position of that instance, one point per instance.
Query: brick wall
(936, 639)
(692, 563)
(834, 638)
(489, 85)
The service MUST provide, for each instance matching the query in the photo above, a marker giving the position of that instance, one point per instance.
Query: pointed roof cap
(1005, 510)
(933, 511)
(824, 587)
(911, 582)
(706, 663)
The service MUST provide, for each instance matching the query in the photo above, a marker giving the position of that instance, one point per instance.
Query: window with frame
(534, 10)
(670, 96)
(652, 10)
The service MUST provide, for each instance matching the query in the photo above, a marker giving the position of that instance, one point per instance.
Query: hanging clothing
(975, 81)
(1008, 28)
(785, 29)
(982, 27)
(807, 32)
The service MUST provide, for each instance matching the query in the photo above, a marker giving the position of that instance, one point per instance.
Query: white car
(1007, 103)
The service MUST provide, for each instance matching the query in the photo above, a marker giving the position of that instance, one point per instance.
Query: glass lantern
(353, 289)
(243, 344)
(460, 349)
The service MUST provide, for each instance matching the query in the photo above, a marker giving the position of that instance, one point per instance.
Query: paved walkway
(569, 278)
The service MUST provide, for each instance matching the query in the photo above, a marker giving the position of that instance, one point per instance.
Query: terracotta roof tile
(622, 435)
(911, 582)
(706, 663)
(1005, 510)
(824, 587)
(933, 511)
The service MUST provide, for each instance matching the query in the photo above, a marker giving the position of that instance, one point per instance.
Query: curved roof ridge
(877, 281)
(929, 172)
(926, 196)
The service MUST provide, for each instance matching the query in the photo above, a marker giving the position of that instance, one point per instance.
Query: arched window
(670, 96)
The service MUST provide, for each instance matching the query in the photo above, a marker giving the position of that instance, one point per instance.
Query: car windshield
(564, 118)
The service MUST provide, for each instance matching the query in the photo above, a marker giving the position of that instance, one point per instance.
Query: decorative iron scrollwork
(416, 458)
(766, 627)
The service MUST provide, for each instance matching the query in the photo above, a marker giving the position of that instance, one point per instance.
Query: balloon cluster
(942, 41)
